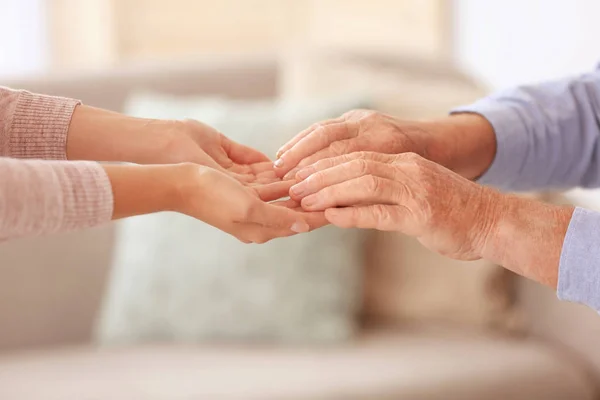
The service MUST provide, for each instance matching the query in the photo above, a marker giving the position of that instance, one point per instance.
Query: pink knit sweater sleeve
(40, 196)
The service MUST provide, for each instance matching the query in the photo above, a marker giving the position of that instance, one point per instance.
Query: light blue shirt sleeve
(548, 137)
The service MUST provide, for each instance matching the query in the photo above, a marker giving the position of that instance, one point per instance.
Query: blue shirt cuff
(511, 141)
(579, 268)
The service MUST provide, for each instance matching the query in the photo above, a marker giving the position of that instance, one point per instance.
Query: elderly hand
(446, 212)
(406, 193)
(464, 143)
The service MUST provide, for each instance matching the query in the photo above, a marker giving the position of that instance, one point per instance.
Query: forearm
(101, 135)
(526, 236)
(551, 244)
(145, 189)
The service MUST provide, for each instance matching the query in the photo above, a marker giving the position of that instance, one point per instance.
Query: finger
(327, 163)
(340, 173)
(273, 191)
(272, 216)
(241, 154)
(335, 149)
(291, 143)
(367, 189)
(320, 139)
(381, 217)
(313, 219)
(260, 170)
(256, 233)
(262, 167)
(289, 203)
(264, 181)
(291, 174)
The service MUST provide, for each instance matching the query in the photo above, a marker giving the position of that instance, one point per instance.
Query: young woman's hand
(101, 135)
(242, 210)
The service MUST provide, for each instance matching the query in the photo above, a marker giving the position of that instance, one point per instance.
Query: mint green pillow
(177, 279)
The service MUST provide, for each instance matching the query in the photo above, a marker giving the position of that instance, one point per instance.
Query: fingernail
(278, 163)
(300, 227)
(278, 154)
(297, 190)
(303, 173)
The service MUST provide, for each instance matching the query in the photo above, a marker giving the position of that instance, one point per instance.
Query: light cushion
(406, 283)
(179, 280)
(414, 365)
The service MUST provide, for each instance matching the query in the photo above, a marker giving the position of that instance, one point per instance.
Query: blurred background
(164, 307)
(544, 39)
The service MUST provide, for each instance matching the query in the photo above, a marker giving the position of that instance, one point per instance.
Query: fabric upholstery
(414, 365)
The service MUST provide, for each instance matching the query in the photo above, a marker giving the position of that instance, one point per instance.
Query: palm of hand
(199, 143)
(245, 211)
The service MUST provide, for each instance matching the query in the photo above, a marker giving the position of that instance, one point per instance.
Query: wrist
(146, 189)
(101, 135)
(526, 236)
(464, 143)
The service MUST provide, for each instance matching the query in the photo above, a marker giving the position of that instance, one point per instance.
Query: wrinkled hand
(406, 193)
(358, 130)
(193, 141)
(241, 210)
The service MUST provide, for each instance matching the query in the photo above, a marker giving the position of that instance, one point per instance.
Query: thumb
(366, 217)
(273, 191)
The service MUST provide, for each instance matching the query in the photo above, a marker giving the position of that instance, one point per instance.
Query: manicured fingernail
(300, 227)
(279, 153)
(278, 163)
(297, 190)
(303, 174)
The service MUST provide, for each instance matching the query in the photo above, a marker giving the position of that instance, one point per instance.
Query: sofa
(52, 288)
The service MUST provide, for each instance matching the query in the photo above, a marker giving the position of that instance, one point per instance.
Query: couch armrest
(51, 287)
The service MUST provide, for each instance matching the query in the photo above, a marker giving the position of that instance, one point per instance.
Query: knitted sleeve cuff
(39, 127)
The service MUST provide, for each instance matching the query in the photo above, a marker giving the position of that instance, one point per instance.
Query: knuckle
(338, 148)
(351, 114)
(322, 164)
(370, 114)
(323, 134)
(410, 157)
(360, 166)
(317, 180)
(379, 212)
(372, 184)
(316, 126)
